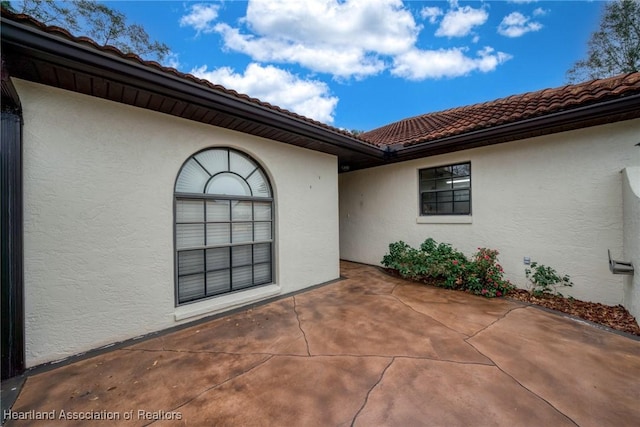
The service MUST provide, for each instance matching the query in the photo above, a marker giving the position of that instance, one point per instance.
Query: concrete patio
(369, 350)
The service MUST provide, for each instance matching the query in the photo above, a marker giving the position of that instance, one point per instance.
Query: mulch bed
(615, 317)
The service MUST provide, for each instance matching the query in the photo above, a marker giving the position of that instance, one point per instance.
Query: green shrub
(487, 275)
(447, 267)
(545, 280)
(402, 258)
(397, 257)
(440, 260)
(431, 261)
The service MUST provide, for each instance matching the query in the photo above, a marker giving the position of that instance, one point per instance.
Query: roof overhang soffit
(10, 98)
(22, 42)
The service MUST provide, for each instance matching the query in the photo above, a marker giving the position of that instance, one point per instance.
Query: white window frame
(429, 179)
(243, 257)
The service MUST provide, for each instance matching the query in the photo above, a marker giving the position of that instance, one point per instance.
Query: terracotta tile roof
(457, 121)
(86, 41)
(416, 131)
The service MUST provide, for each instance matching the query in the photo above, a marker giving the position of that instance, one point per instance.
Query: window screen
(223, 225)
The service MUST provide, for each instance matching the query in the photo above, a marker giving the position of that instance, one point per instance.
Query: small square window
(445, 190)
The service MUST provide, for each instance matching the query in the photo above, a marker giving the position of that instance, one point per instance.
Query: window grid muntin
(434, 189)
(206, 222)
(231, 266)
(266, 203)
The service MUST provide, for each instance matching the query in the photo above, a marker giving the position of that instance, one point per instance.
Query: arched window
(223, 225)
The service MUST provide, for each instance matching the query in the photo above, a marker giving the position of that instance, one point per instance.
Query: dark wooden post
(11, 231)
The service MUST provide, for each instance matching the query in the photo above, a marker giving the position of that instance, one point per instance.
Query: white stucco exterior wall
(98, 208)
(556, 199)
(631, 253)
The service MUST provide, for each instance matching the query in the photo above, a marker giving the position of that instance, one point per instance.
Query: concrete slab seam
(366, 399)
(526, 388)
(175, 409)
(295, 310)
(386, 356)
(465, 336)
(432, 318)
(494, 322)
(457, 362)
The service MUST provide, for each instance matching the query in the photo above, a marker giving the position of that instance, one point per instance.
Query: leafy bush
(431, 261)
(545, 280)
(486, 276)
(440, 259)
(447, 267)
(401, 258)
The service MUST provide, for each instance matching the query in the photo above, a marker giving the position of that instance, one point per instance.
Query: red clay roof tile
(420, 129)
(461, 120)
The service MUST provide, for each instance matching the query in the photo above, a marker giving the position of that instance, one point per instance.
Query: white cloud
(431, 13)
(310, 98)
(379, 25)
(341, 38)
(201, 17)
(172, 60)
(433, 64)
(459, 21)
(540, 12)
(345, 39)
(516, 24)
(348, 61)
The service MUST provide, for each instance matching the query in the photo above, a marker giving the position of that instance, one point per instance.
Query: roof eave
(623, 108)
(10, 98)
(59, 51)
(25, 41)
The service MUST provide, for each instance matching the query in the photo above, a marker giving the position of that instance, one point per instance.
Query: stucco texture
(631, 253)
(98, 207)
(556, 199)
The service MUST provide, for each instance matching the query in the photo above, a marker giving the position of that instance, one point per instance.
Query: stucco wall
(98, 207)
(556, 199)
(631, 253)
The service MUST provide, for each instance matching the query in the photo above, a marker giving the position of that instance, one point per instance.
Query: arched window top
(222, 171)
(224, 234)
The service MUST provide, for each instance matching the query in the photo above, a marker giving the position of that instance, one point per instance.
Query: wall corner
(631, 237)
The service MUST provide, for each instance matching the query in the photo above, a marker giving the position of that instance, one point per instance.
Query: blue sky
(361, 64)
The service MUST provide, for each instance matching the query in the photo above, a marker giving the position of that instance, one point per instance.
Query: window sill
(445, 219)
(226, 302)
